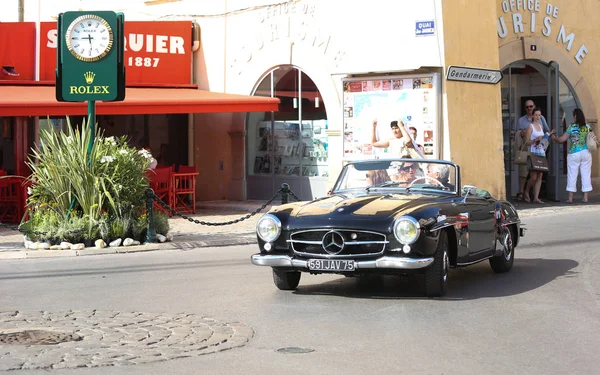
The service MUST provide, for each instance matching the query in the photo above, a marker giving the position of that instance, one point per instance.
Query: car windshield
(399, 174)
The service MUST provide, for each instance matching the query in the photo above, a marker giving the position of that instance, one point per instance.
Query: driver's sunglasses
(408, 167)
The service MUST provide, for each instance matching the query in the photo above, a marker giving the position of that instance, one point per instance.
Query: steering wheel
(425, 178)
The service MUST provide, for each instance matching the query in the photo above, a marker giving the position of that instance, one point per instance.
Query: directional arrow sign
(466, 74)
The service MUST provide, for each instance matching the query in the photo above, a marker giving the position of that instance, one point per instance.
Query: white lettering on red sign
(155, 43)
(140, 43)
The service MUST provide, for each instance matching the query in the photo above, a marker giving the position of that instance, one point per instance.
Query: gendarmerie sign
(477, 75)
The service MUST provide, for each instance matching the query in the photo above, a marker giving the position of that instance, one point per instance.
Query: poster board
(414, 99)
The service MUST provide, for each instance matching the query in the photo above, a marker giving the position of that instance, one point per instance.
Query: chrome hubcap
(507, 244)
(445, 266)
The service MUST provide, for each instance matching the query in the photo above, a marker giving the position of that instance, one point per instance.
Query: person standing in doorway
(533, 138)
(579, 158)
(522, 126)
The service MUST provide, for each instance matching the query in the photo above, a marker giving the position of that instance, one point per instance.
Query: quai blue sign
(424, 28)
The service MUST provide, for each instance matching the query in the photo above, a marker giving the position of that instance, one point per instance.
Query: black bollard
(285, 191)
(150, 232)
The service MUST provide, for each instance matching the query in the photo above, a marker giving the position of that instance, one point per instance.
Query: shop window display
(292, 142)
(285, 148)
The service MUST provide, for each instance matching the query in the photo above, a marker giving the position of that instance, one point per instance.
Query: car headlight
(268, 228)
(406, 230)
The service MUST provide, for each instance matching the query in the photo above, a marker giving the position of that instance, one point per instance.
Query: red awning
(41, 101)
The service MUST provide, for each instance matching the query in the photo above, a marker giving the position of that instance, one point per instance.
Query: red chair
(12, 204)
(184, 189)
(161, 181)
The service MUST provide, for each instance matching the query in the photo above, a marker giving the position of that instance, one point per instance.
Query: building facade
(336, 69)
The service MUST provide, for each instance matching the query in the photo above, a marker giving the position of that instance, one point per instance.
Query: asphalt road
(541, 318)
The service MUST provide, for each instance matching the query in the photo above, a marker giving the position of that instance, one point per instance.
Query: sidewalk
(186, 234)
(189, 235)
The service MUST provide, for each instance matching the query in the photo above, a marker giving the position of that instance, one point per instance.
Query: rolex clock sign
(90, 64)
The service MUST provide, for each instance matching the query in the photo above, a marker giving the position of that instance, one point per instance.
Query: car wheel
(504, 262)
(436, 275)
(286, 280)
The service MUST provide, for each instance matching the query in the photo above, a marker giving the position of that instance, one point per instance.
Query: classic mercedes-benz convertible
(392, 217)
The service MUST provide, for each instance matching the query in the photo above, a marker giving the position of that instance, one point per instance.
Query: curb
(531, 212)
(38, 254)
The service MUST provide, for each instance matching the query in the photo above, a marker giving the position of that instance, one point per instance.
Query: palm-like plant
(105, 183)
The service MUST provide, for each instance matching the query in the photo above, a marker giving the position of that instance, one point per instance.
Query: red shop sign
(156, 52)
(17, 50)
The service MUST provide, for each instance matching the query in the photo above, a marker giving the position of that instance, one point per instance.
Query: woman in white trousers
(579, 158)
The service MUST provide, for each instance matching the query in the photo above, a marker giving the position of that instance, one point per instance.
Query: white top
(537, 148)
(398, 148)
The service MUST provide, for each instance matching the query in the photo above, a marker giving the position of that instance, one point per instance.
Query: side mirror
(469, 190)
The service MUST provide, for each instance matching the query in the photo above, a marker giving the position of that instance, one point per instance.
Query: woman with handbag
(533, 138)
(579, 159)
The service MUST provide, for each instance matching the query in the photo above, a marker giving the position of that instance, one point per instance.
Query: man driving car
(441, 173)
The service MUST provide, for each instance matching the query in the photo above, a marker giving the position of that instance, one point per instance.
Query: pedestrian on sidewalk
(579, 158)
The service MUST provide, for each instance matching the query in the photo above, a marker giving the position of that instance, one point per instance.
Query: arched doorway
(290, 145)
(543, 84)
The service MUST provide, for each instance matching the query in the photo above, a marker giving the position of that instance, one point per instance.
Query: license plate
(330, 265)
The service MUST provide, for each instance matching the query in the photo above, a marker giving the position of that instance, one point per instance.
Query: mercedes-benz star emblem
(333, 242)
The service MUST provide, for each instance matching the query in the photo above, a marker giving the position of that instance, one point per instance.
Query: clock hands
(81, 30)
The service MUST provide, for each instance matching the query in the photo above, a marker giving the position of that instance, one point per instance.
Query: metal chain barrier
(174, 212)
(294, 195)
(12, 227)
(285, 192)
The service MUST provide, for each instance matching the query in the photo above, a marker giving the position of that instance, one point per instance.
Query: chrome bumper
(285, 261)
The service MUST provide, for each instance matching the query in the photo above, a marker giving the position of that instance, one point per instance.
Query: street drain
(37, 337)
(295, 350)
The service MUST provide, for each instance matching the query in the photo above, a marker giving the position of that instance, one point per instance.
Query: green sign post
(89, 60)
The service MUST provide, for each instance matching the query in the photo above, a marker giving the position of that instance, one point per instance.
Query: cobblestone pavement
(109, 338)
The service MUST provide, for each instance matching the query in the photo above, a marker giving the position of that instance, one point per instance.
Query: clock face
(89, 38)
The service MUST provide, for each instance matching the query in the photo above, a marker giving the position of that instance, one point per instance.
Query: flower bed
(80, 197)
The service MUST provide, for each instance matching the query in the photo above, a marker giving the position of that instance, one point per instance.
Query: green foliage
(161, 223)
(120, 227)
(100, 193)
(73, 229)
(139, 226)
(44, 224)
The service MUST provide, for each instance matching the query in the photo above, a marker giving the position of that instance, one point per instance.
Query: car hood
(367, 206)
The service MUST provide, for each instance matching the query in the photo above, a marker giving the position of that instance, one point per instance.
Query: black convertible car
(393, 217)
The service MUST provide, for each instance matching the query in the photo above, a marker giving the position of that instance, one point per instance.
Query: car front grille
(356, 243)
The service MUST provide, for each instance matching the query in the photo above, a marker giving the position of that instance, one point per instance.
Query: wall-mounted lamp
(10, 71)
(317, 104)
(295, 101)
